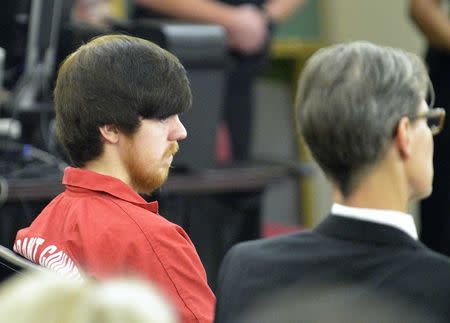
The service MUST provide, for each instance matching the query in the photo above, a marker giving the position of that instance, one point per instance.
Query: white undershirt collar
(399, 220)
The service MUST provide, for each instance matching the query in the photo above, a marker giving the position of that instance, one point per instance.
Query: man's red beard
(144, 177)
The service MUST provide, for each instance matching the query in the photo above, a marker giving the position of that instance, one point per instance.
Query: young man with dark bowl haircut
(117, 101)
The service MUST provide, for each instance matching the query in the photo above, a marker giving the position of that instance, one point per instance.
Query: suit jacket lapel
(344, 228)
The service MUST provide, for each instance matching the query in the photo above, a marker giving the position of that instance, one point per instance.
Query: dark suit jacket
(350, 269)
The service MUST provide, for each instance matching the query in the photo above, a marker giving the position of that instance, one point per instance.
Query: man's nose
(178, 130)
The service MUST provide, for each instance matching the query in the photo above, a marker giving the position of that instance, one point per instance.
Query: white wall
(385, 22)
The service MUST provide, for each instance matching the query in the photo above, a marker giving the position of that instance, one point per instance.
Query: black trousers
(242, 72)
(435, 210)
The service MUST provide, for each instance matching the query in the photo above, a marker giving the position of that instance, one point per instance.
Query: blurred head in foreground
(49, 298)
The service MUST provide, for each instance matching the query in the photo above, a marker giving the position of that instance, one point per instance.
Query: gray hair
(350, 99)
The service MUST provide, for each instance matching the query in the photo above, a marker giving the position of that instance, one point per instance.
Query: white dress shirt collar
(399, 220)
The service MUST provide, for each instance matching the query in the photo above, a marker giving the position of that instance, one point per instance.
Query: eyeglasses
(435, 119)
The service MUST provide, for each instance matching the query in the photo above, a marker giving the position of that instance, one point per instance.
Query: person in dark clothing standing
(434, 23)
(248, 25)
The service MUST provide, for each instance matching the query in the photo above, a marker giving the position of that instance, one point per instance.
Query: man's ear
(402, 137)
(110, 133)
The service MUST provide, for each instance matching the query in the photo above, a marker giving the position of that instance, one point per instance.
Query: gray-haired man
(362, 111)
